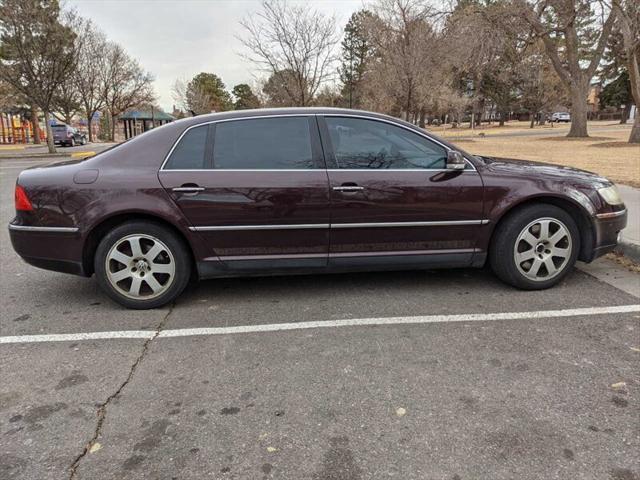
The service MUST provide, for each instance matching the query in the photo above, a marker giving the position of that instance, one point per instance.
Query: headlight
(611, 195)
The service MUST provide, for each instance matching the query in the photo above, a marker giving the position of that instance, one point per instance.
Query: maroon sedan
(304, 191)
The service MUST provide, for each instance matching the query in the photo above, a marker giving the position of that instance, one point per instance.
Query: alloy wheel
(543, 249)
(140, 267)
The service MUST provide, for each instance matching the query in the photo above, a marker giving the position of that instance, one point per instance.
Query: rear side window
(189, 153)
(278, 143)
(369, 144)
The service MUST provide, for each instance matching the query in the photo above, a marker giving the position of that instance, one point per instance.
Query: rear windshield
(59, 127)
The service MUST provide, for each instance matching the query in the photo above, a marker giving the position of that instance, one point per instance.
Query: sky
(176, 39)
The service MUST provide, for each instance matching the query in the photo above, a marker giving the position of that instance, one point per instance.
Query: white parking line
(351, 322)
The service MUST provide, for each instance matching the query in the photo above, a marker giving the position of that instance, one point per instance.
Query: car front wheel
(142, 265)
(535, 247)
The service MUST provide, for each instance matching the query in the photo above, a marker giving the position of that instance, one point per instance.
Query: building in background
(135, 122)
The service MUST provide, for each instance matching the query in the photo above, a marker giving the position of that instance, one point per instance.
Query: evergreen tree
(245, 98)
(356, 54)
(208, 91)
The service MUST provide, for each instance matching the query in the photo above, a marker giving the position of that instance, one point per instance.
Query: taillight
(22, 200)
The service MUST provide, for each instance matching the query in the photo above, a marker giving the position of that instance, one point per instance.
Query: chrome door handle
(187, 189)
(349, 188)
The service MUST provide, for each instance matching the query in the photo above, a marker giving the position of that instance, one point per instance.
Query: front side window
(369, 144)
(263, 144)
(189, 153)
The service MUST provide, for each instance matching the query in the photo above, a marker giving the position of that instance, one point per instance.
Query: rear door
(255, 189)
(392, 199)
(59, 133)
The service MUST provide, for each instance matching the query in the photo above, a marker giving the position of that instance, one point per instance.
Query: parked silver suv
(561, 117)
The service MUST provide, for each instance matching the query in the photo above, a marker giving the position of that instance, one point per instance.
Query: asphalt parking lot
(409, 375)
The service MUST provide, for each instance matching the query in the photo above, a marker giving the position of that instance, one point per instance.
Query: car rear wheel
(535, 247)
(142, 265)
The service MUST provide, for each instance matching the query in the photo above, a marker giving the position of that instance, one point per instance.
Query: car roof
(260, 112)
(185, 123)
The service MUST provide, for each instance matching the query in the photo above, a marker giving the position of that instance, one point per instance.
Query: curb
(629, 250)
(4, 156)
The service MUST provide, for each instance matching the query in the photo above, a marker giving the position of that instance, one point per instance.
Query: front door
(393, 201)
(255, 189)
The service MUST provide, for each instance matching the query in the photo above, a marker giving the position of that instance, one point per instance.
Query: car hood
(532, 170)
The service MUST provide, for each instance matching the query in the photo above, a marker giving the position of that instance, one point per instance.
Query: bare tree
(66, 99)
(37, 52)
(540, 87)
(292, 38)
(90, 78)
(574, 36)
(179, 94)
(628, 17)
(126, 84)
(403, 36)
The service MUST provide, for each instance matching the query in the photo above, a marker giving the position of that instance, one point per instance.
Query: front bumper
(607, 231)
(51, 248)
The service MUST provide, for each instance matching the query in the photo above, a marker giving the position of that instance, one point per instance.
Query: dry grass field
(514, 126)
(606, 153)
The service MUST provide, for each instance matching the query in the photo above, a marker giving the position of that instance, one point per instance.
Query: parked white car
(561, 117)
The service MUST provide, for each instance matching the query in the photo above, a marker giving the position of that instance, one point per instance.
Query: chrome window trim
(365, 117)
(256, 117)
(26, 228)
(319, 170)
(307, 226)
(248, 170)
(398, 170)
(390, 122)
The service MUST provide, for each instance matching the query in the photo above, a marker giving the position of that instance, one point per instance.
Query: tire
(72, 143)
(83, 141)
(128, 275)
(518, 262)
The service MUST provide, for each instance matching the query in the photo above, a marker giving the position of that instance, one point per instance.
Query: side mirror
(455, 160)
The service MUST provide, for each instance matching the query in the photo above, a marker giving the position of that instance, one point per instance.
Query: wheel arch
(578, 213)
(106, 224)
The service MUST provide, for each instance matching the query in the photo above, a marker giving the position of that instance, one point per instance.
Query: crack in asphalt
(102, 409)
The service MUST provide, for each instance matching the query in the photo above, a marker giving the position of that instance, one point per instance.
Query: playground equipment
(16, 130)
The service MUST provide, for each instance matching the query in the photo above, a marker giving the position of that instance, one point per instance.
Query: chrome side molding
(26, 228)
(306, 226)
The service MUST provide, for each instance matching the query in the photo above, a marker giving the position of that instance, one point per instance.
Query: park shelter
(135, 122)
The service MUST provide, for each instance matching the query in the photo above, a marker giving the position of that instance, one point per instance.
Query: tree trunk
(542, 120)
(635, 130)
(112, 125)
(579, 110)
(50, 144)
(533, 119)
(36, 125)
(634, 77)
(625, 113)
(89, 128)
(422, 118)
